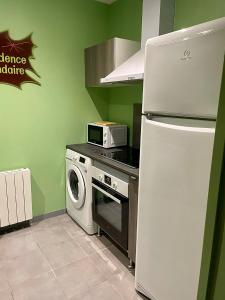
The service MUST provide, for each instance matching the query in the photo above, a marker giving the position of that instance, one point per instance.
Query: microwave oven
(107, 135)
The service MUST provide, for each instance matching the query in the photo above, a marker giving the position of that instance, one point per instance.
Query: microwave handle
(107, 194)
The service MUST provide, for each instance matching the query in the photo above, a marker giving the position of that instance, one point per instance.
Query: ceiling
(106, 1)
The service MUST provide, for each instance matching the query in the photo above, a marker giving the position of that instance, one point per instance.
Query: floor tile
(4, 284)
(51, 235)
(51, 222)
(90, 243)
(104, 291)
(123, 283)
(71, 227)
(117, 259)
(63, 253)
(77, 278)
(25, 267)
(105, 263)
(6, 295)
(63, 218)
(44, 287)
(56, 259)
(46, 223)
(83, 296)
(16, 245)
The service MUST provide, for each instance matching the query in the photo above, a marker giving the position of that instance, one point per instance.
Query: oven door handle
(107, 194)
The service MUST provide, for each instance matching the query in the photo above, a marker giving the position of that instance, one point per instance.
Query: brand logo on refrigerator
(186, 55)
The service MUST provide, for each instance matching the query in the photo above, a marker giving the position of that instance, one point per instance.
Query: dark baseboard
(14, 227)
(25, 224)
(49, 215)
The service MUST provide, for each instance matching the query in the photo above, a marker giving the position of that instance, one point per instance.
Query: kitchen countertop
(95, 152)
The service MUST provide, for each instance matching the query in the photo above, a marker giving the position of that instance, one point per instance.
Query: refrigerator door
(183, 73)
(175, 167)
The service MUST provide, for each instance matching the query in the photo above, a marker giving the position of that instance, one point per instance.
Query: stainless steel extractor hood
(157, 19)
(102, 59)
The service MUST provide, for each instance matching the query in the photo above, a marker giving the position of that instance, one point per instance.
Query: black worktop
(96, 152)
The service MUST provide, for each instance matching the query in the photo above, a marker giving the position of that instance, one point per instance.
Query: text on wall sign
(15, 58)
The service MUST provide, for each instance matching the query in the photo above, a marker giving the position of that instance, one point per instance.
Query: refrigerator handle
(182, 124)
(152, 115)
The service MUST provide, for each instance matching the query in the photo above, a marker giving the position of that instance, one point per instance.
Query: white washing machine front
(75, 186)
(79, 191)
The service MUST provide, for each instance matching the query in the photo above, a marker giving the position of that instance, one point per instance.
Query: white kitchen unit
(78, 190)
(183, 72)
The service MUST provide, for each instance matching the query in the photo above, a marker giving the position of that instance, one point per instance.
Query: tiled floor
(55, 260)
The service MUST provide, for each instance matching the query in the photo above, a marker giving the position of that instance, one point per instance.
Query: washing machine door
(76, 186)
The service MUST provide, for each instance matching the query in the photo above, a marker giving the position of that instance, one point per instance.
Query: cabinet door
(133, 206)
(174, 180)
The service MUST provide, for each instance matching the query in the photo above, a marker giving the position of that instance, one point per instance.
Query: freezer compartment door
(175, 168)
(183, 77)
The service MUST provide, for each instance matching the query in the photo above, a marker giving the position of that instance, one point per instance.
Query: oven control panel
(100, 177)
(111, 181)
(107, 180)
(114, 185)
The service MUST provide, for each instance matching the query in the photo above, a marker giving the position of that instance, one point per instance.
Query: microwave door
(95, 135)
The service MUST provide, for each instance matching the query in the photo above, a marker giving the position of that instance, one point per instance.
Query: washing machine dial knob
(75, 159)
(100, 177)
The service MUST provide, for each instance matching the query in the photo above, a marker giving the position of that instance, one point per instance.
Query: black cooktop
(129, 156)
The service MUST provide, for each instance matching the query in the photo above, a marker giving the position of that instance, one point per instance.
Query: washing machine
(78, 190)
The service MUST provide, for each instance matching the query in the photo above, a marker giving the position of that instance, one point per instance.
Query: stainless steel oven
(110, 205)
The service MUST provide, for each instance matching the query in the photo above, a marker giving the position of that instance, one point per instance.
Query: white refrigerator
(182, 81)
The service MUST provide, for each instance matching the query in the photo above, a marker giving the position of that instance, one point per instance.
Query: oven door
(95, 135)
(110, 212)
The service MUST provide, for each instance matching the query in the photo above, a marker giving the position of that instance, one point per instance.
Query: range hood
(103, 58)
(157, 19)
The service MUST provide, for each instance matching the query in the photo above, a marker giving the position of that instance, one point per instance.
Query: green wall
(125, 22)
(193, 12)
(216, 280)
(125, 18)
(120, 105)
(212, 284)
(37, 122)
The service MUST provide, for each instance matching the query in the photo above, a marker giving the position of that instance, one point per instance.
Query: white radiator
(15, 197)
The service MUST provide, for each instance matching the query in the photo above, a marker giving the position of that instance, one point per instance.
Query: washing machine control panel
(82, 160)
(75, 159)
(78, 159)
